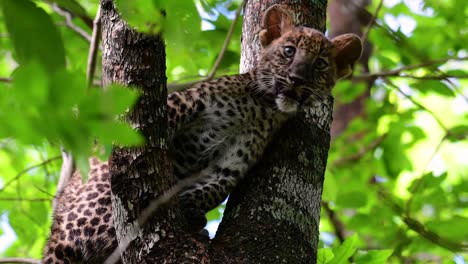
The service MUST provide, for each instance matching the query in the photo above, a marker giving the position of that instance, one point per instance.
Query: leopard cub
(220, 129)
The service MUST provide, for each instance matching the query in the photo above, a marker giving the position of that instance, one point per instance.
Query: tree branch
(397, 71)
(419, 228)
(9, 182)
(211, 74)
(6, 79)
(20, 260)
(69, 22)
(420, 180)
(338, 226)
(363, 151)
(365, 34)
(434, 77)
(148, 212)
(436, 118)
(84, 17)
(25, 199)
(93, 47)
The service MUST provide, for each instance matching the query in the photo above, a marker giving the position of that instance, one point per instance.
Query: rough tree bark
(141, 174)
(272, 217)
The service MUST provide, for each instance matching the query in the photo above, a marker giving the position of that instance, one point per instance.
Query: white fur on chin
(286, 105)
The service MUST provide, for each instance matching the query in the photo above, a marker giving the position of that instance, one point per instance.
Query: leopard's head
(299, 65)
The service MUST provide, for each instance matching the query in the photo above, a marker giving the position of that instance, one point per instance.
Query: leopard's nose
(296, 80)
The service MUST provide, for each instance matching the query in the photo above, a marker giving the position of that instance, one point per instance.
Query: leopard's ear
(276, 21)
(347, 50)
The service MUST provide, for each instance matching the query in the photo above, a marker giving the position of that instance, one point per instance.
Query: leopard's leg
(213, 184)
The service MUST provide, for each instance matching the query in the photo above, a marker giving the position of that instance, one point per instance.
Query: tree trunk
(141, 174)
(273, 216)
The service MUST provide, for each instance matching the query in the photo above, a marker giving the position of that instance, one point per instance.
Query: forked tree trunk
(272, 217)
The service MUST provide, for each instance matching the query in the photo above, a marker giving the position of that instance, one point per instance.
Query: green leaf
(345, 250)
(330, 187)
(324, 255)
(182, 22)
(117, 99)
(27, 89)
(394, 157)
(427, 182)
(457, 72)
(435, 86)
(67, 89)
(143, 15)
(35, 36)
(177, 20)
(109, 132)
(351, 199)
(454, 228)
(373, 256)
(346, 91)
(458, 133)
(230, 58)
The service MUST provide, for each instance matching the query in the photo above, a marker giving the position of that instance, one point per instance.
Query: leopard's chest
(228, 122)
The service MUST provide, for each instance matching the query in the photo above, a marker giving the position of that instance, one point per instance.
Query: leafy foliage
(396, 179)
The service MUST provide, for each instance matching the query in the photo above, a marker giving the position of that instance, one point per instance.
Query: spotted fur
(219, 131)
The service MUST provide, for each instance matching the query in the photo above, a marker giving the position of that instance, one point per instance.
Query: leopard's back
(232, 115)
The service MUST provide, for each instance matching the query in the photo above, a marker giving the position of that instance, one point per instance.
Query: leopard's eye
(289, 51)
(321, 64)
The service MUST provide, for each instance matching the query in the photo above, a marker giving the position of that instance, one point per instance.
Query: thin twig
(397, 71)
(20, 260)
(211, 74)
(365, 34)
(44, 191)
(93, 47)
(420, 180)
(400, 41)
(148, 212)
(338, 226)
(436, 118)
(363, 151)
(69, 22)
(433, 77)
(87, 20)
(6, 79)
(9, 182)
(25, 199)
(418, 227)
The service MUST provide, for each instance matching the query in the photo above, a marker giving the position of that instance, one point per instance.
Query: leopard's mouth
(287, 100)
(291, 92)
(286, 104)
(287, 96)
